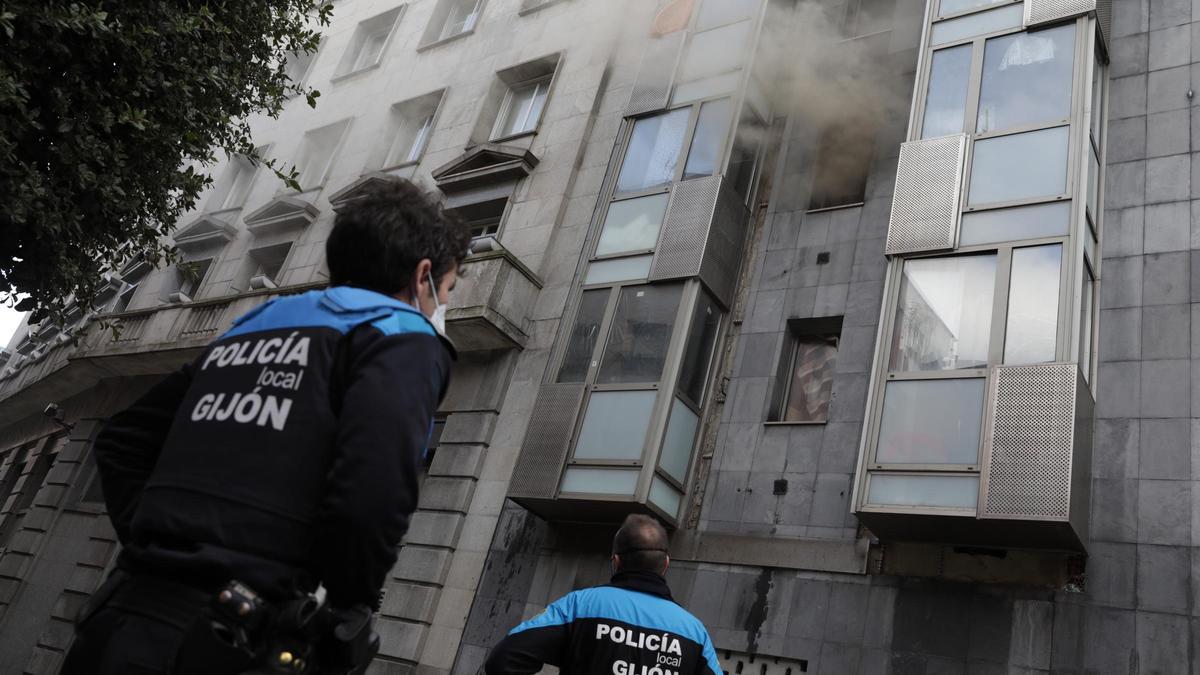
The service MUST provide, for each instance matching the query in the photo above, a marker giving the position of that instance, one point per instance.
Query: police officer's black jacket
(288, 453)
(629, 627)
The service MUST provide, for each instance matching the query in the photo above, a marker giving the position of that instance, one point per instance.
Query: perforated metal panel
(723, 250)
(1027, 468)
(547, 441)
(925, 207)
(742, 663)
(1043, 11)
(1104, 18)
(652, 88)
(681, 243)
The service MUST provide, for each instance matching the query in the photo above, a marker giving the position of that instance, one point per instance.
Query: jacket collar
(642, 582)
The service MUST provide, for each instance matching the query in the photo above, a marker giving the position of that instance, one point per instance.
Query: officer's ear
(616, 563)
(666, 564)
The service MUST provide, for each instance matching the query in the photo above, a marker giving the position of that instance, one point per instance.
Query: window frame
(433, 36)
(305, 151)
(366, 29)
(389, 160)
(502, 115)
(797, 331)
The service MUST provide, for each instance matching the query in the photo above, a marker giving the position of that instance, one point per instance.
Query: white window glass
(931, 422)
(946, 101)
(1032, 326)
(708, 87)
(1021, 222)
(1026, 79)
(640, 334)
(938, 491)
(946, 7)
(599, 481)
(715, 51)
(414, 125)
(664, 496)
(680, 439)
(653, 151)
(709, 138)
(615, 424)
(697, 352)
(1020, 166)
(1093, 186)
(585, 332)
(460, 18)
(944, 314)
(632, 224)
(618, 269)
(522, 109)
(372, 47)
(1001, 18)
(1085, 328)
(715, 13)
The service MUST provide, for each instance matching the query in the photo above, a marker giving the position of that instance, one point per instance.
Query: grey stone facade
(774, 569)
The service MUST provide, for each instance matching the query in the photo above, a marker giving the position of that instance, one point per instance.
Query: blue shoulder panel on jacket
(340, 308)
(618, 604)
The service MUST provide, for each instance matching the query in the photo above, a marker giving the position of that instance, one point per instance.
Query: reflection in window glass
(1026, 79)
(664, 496)
(944, 313)
(980, 23)
(697, 353)
(640, 334)
(681, 436)
(711, 129)
(632, 224)
(947, 98)
(615, 424)
(618, 269)
(946, 7)
(1020, 166)
(578, 356)
(653, 151)
(1032, 326)
(715, 51)
(931, 422)
(599, 481)
(1021, 222)
(715, 13)
(1085, 327)
(811, 379)
(945, 491)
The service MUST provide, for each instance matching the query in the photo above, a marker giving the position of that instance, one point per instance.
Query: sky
(9, 320)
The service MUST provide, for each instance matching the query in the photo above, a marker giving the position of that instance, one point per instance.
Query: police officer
(631, 626)
(287, 455)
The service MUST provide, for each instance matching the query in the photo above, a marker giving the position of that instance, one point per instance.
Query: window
(368, 42)
(843, 161)
(234, 186)
(632, 224)
(744, 158)
(640, 334)
(1018, 167)
(804, 380)
(1021, 222)
(931, 422)
(1086, 319)
(298, 64)
(483, 218)
(716, 13)
(947, 7)
(979, 23)
(414, 125)
(316, 154)
(266, 264)
(653, 151)
(133, 277)
(522, 108)
(943, 314)
(867, 17)
(192, 275)
(452, 18)
(712, 127)
(1032, 326)
(581, 344)
(698, 350)
(946, 100)
(615, 425)
(1026, 79)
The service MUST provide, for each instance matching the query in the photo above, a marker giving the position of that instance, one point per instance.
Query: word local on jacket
(666, 645)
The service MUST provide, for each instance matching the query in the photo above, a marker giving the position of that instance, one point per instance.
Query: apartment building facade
(884, 307)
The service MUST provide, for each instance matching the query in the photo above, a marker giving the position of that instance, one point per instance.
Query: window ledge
(513, 137)
(401, 165)
(781, 423)
(354, 73)
(439, 43)
(839, 207)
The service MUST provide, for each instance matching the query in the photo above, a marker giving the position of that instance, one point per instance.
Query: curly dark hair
(379, 237)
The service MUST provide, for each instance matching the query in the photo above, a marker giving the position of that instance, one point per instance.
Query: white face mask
(439, 313)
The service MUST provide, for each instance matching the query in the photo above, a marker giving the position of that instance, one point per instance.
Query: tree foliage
(109, 109)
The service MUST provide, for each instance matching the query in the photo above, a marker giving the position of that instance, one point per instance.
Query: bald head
(640, 545)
